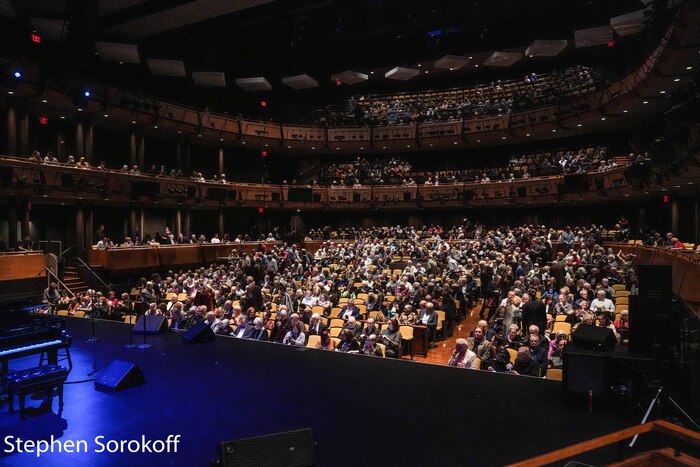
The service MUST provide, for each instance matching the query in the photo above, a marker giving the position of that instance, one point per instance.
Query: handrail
(65, 287)
(662, 426)
(66, 251)
(93, 272)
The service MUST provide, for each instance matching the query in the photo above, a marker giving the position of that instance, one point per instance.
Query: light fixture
(624, 111)
(503, 137)
(10, 92)
(63, 117)
(288, 147)
(221, 139)
(312, 147)
(87, 93)
(106, 115)
(662, 92)
(579, 125)
(602, 119)
(689, 68)
(676, 80)
(426, 72)
(80, 110)
(645, 102)
(44, 101)
(133, 121)
(455, 142)
(527, 134)
(18, 74)
(155, 126)
(554, 130)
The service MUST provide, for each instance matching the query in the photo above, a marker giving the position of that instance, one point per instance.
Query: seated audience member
(462, 357)
(601, 303)
(258, 332)
(525, 364)
(429, 318)
(316, 326)
(537, 352)
(479, 345)
(407, 316)
(51, 296)
(370, 347)
(296, 334)
(556, 350)
(177, 319)
(499, 357)
(622, 325)
(352, 325)
(325, 343)
(101, 309)
(242, 327)
(369, 329)
(513, 339)
(349, 310)
(347, 342)
(391, 337)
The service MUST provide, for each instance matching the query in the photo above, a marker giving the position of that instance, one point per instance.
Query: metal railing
(92, 271)
(50, 274)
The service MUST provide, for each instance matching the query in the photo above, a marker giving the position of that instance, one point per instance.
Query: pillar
(142, 222)
(133, 152)
(89, 227)
(177, 228)
(178, 155)
(80, 230)
(674, 217)
(79, 140)
(133, 224)
(60, 147)
(221, 223)
(186, 227)
(221, 160)
(88, 144)
(642, 218)
(142, 154)
(11, 131)
(24, 135)
(24, 224)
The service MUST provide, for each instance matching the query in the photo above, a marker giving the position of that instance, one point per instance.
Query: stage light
(87, 93)
(18, 74)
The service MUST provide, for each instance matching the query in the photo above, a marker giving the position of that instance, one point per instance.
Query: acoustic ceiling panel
(257, 83)
(628, 24)
(451, 62)
(159, 67)
(541, 48)
(503, 59)
(401, 73)
(350, 77)
(300, 82)
(593, 36)
(209, 78)
(116, 52)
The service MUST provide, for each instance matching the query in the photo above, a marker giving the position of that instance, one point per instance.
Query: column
(642, 218)
(80, 231)
(186, 227)
(142, 222)
(221, 159)
(89, 227)
(24, 135)
(142, 154)
(79, 140)
(178, 155)
(674, 217)
(60, 148)
(25, 222)
(11, 132)
(88, 144)
(177, 228)
(133, 152)
(133, 223)
(221, 223)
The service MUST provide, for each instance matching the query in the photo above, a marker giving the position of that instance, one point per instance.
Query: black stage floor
(361, 409)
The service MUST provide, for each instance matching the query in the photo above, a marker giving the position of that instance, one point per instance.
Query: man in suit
(258, 332)
(148, 295)
(534, 312)
(349, 310)
(253, 296)
(353, 326)
(243, 328)
(466, 293)
(429, 319)
(316, 326)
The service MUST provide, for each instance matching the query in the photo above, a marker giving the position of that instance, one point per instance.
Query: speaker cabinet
(154, 325)
(290, 448)
(119, 375)
(592, 337)
(200, 332)
(654, 322)
(586, 372)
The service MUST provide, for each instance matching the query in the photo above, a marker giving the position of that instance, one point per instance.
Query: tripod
(131, 344)
(661, 393)
(93, 339)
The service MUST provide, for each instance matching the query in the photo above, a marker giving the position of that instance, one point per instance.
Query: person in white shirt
(601, 303)
(216, 239)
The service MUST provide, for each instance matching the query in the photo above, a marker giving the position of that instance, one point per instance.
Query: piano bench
(33, 380)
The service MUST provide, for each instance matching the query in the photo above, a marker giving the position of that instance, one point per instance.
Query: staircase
(73, 281)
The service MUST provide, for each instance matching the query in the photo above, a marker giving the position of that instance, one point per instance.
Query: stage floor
(360, 409)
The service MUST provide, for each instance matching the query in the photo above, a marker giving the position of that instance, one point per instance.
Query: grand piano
(25, 331)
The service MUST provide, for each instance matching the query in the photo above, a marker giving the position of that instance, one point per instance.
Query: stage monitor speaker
(290, 448)
(118, 375)
(586, 372)
(154, 325)
(200, 332)
(655, 283)
(593, 337)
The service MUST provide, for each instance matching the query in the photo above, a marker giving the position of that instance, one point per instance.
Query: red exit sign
(36, 38)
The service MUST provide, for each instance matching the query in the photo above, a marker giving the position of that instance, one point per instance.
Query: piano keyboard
(32, 347)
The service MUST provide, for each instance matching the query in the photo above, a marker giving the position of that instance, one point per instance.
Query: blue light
(18, 74)
(87, 93)
(436, 33)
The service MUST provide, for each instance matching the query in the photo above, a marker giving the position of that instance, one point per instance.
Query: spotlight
(87, 93)
(18, 74)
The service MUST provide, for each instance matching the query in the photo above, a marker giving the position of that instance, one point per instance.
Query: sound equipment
(154, 325)
(654, 323)
(290, 448)
(119, 375)
(200, 332)
(593, 337)
(585, 371)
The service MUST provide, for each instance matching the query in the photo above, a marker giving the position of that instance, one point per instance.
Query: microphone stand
(144, 345)
(93, 339)
(131, 344)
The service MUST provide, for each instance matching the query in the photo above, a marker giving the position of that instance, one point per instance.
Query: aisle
(441, 354)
